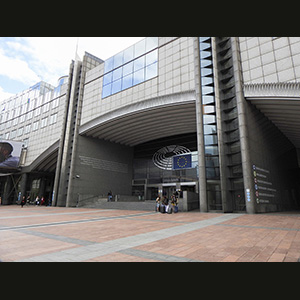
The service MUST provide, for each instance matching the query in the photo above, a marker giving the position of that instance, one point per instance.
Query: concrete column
(23, 184)
(221, 144)
(42, 187)
(242, 117)
(200, 133)
(7, 190)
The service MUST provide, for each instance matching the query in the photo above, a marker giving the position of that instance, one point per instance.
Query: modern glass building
(215, 118)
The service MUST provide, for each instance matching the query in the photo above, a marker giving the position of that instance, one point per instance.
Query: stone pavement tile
(276, 257)
(120, 257)
(228, 244)
(105, 231)
(230, 258)
(65, 217)
(138, 236)
(188, 217)
(23, 246)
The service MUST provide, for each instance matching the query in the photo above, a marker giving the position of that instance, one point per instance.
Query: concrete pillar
(244, 139)
(42, 187)
(200, 133)
(221, 144)
(23, 184)
(7, 190)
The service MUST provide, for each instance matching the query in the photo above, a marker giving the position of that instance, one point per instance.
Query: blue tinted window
(151, 58)
(151, 71)
(118, 60)
(107, 78)
(128, 54)
(139, 63)
(151, 43)
(109, 64)
(116, 74)
(116, 86)
(138, 76)
(127, 81)
(140, 48)
(128, 69)
(132, 66)
(106, 91)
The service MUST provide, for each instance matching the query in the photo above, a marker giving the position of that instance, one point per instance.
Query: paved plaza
(59, 234)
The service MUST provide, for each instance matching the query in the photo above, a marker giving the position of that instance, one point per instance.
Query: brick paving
(56, 234)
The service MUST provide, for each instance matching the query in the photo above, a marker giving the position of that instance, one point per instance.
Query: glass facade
(210, 125)
(25, 108)
(130, 67)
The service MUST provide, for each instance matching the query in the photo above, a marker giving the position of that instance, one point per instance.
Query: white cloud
(4, 95)
(17, 69)
(32, 59)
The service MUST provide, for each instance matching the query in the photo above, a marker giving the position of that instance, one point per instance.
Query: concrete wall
(190, 201)
(270, 59)
(271, 151)
(100, 166)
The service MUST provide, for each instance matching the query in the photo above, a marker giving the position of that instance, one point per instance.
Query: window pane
(207, 109)
(139, 63)
(151, 58)
(212, 150)
(107, 78)
(151, 71)
(109, 64)
(118, 60)
(117, 74)
(151, 43)
(106, 91)
(212, 173)
(207, 119)
(116, 86)
(209, 129)
(127, 81)
(208, 99)
(206, 72)
(128, 54)
(140, 48)
(205, 54)
(207, 90)
(128, 68)
(206, 80)
(205, 63)
(205, 46)
(138, 77)
(210, 139)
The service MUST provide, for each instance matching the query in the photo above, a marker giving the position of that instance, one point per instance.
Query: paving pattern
(56, 234)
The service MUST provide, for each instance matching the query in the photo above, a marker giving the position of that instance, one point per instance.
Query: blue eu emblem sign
(183, 161)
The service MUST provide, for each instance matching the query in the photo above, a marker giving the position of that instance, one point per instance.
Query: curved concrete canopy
(46, 162)
(280, 102)
(145, 121)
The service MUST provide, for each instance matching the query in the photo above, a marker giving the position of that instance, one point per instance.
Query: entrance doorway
(168, 191)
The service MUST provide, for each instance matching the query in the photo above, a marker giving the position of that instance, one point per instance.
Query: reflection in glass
(127, 81)
(132, 66)
(151, 71)
(138, 77)
(116, 86)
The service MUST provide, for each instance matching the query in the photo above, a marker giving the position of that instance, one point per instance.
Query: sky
(25, 61)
